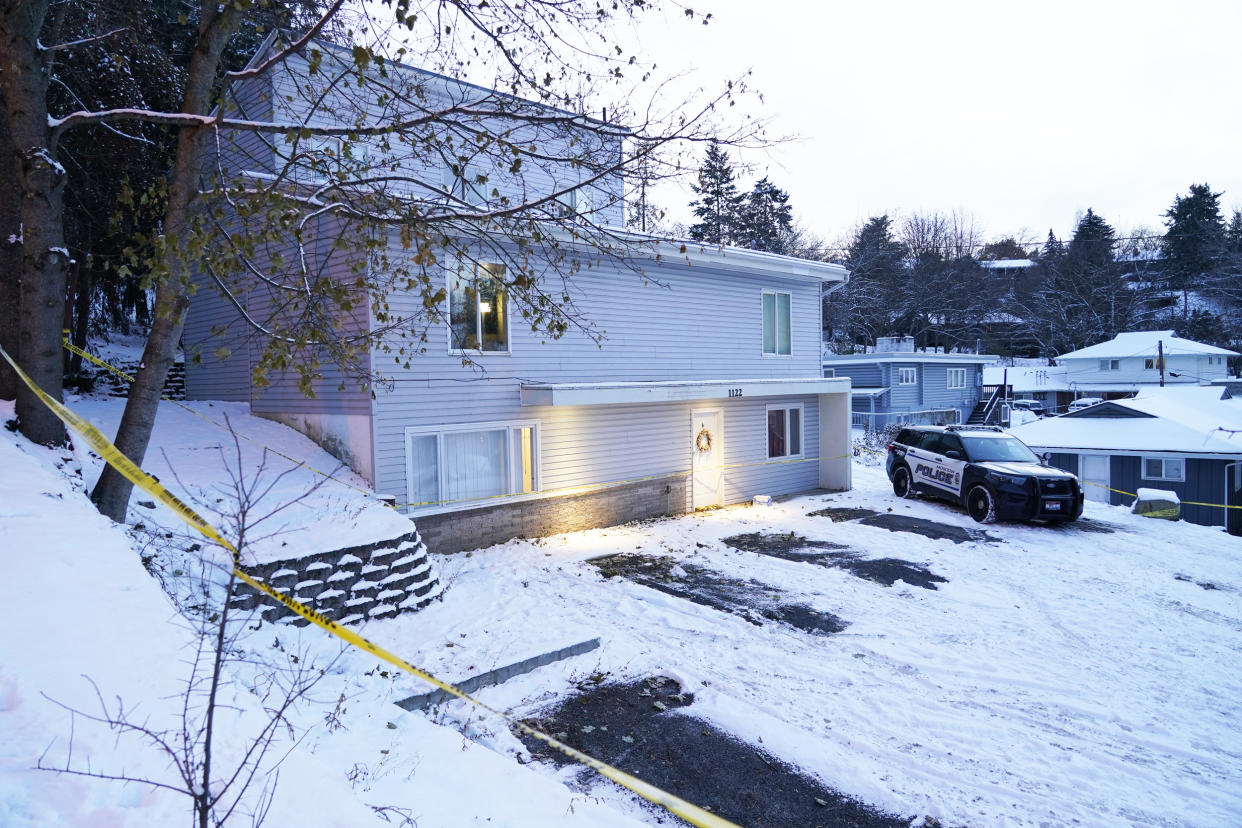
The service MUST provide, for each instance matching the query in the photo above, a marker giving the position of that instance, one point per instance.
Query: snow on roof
(1002, 264)
(1186, 420)
(1026, 378)
(1145, 343)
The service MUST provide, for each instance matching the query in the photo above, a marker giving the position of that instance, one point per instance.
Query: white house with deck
(706, 389)
(1120, 367)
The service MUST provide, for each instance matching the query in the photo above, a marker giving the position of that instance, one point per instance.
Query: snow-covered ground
(1060, 676)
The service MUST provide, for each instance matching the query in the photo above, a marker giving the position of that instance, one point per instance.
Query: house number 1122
(735, 392)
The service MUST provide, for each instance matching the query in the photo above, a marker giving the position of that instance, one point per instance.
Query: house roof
(907, 356)
(612, 393)
(1184, 420)
(1145, 343)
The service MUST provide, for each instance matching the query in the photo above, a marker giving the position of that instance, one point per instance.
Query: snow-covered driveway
(1060, 675)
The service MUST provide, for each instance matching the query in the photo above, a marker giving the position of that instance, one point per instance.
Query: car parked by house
(994, 475)
(1034, 406)
(1084, 402)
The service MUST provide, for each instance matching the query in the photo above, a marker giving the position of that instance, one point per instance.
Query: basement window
(456, 464)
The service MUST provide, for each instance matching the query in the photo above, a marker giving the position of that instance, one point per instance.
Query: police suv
(991, 473)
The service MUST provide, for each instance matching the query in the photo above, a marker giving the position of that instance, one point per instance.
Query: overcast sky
(1023, 115)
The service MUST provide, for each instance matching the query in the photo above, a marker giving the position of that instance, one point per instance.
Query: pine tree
(766, 218)
(719, 205)
(1093, 245)
(1195, 241)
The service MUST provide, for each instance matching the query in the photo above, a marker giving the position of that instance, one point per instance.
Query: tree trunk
(10, 255)
(172, 296)
(42, 183)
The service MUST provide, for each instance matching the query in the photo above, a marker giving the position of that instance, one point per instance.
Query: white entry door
(1093, 469)
(707, 451)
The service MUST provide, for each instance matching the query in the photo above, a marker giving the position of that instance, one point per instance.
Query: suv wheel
(902, 484)
(980, 505)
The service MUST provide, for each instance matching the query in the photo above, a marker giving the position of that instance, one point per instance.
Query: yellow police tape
(69, 346)
(105, 449)
(1153, 514)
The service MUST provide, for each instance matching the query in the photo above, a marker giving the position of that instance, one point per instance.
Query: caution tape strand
(112, 455)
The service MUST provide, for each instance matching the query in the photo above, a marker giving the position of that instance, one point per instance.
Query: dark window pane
(776, 433)
(795, 431)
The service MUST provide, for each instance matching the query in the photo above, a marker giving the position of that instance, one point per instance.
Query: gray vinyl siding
(904, 397)
(698, 324)
(1204, 483)
(336, 391)
(863, 376)
(217, 357)
(422, 164)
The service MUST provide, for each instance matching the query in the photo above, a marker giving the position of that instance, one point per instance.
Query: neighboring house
(904, 386)
(706, 391)
(1182, 438)
(1120, 367)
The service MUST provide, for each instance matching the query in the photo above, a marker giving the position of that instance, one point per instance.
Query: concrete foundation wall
(347, 437)
(449, 532)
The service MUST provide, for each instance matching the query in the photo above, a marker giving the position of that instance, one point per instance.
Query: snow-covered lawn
(1060, 676)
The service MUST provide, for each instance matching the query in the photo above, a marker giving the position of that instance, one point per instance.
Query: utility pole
(1160, 359)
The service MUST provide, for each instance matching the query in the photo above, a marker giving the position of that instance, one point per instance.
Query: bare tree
(222, 785)
(362, 125)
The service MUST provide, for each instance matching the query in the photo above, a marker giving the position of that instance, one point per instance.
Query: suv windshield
(1002, 449)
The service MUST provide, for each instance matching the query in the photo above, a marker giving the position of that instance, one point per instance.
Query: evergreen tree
(1233, 235)
(766, 219)
(870, 302)
(719, 205)
(1052, 250)
(1195, 241)
(1093, 245)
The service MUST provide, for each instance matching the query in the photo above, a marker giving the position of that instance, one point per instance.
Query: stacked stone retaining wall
(352, 585)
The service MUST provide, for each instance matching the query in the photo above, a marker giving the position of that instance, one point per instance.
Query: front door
(1093, 470)
(707, 451)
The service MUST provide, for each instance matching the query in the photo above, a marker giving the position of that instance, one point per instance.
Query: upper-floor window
(776, 323)
(1153, 364)
(907, 376)
(956, 378)
(478, 308)
(1110, 365)
(466, 183)
(785, 431)
(1164, 468)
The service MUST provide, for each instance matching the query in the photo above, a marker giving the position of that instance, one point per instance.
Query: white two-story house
(706, 388)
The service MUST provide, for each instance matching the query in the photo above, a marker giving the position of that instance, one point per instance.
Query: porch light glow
(485, 307)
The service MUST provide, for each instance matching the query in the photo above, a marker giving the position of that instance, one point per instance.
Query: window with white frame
(478, 308)
(466, 183)
(784, 431)
(830, 373)
(1164, 468)
(776, 323)
(1153, 364)
(1110, 365)
(460, 463)
(907, 376)
(955, 378)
